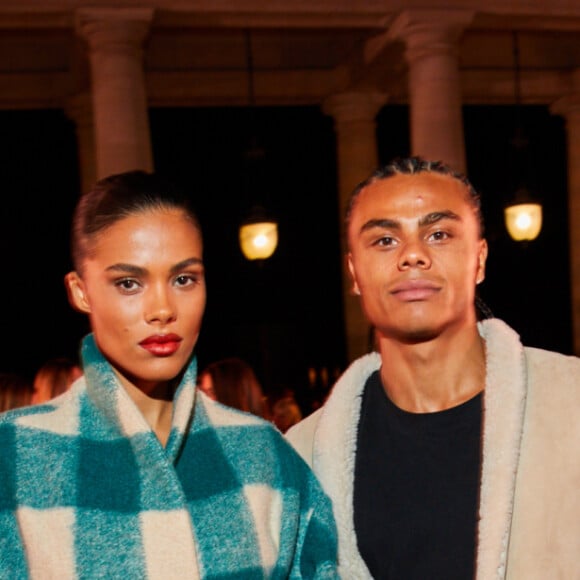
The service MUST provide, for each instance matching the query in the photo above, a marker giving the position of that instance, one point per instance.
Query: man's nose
(414, 254)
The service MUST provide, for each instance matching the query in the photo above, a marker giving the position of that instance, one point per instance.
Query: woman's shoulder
(51, 416)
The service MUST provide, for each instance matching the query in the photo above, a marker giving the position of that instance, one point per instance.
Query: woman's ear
(77, 295)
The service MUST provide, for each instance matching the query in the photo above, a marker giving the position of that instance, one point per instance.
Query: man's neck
(436, 374)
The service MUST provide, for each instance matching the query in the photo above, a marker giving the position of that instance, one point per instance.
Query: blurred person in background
(15, 391)
(233, 382)
(53, 378)
(286, 411)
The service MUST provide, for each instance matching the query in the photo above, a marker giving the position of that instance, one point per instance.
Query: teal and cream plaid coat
(87, 491)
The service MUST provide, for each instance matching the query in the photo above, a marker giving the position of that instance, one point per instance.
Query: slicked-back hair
(413, 166)
(120, 196)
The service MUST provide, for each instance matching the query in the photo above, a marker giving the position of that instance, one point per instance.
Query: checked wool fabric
(87, 491)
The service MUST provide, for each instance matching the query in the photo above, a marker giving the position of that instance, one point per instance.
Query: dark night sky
(292, 304)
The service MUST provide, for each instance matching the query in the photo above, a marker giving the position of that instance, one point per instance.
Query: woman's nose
(160, 308)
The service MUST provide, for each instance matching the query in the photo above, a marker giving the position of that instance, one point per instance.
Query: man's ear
(77, 295)
(355, 288)
(482, 259)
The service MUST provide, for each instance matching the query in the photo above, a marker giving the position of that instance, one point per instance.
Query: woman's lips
(161, 345)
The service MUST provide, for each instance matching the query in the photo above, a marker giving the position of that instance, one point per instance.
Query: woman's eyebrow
(186, 263)
(127, 269)
(139, 271)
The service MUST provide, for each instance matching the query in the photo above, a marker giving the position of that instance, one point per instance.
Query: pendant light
(523, 214)
(258, 233)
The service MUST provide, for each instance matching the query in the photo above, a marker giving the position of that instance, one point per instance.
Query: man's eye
(439, 236)
(384, 241)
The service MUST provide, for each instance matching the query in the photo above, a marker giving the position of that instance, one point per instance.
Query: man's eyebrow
(380, 223)
(437, 216)
(426, 220)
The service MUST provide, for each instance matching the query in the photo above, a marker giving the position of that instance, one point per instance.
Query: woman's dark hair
(117, 197)
(412, 166)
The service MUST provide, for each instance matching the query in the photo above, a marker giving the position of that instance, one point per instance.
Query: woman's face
(143, 288)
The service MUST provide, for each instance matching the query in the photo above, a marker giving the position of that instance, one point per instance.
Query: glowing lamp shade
(258, 240)
(523, 221)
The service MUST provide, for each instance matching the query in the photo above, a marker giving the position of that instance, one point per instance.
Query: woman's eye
(127, 284)
(186, 279)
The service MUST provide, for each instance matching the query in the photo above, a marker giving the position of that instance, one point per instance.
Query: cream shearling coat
(529, 514)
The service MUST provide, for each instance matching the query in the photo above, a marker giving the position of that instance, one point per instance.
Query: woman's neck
(155, 404)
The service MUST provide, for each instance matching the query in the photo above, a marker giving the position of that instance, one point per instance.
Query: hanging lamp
(523, 213)
(258, 232)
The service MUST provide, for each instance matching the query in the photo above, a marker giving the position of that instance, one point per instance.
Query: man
(454, 451)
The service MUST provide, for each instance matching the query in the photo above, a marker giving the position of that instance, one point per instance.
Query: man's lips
(414, 290)
(161, 344)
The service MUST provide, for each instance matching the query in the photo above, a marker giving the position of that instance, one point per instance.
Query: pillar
(115, 40)
(357, 156)
(569, 108)
(431, 42)
(80, 110)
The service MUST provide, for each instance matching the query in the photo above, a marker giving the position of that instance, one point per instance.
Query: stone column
(80, 110)
(569, 108)
(357, 156)
(431, 41)
(115, 38)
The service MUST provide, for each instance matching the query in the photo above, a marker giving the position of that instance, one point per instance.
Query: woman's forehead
(150, 218)
(159, 230)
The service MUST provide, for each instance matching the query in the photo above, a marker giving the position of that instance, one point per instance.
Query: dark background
(284, 316)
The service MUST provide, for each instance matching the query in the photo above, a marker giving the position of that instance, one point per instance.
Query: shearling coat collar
(327, 440)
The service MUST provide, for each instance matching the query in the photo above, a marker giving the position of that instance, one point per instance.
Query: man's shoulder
(342, 402)
(550, 356)
(301, 435)
(554, 369)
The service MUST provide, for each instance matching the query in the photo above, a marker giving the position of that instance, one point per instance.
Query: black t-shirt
(416, 488)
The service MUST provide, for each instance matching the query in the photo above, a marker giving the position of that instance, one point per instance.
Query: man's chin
(412, 335)
(418, 336)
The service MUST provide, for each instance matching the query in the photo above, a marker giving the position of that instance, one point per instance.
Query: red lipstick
(161, 344)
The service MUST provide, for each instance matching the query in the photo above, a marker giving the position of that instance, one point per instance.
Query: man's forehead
(413, 195)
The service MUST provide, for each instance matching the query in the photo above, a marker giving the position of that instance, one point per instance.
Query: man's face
(416, 255)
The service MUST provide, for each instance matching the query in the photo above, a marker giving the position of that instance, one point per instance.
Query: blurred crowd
(53, 378)
(231, 381)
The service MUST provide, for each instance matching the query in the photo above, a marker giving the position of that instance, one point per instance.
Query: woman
(132, 473)
(233, 382)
